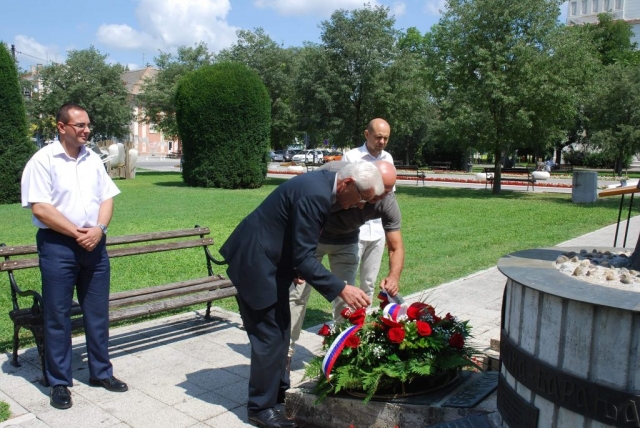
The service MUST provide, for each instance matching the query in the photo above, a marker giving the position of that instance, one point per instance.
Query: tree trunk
(635, 257)
(498, 168)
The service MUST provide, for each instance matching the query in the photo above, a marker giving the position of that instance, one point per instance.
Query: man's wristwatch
(104, 228)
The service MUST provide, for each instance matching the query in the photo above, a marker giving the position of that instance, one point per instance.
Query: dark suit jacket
(277, 242)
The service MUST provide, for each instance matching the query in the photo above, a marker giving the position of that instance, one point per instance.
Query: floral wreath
(372, 351)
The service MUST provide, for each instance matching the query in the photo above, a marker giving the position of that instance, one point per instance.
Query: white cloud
(398, 8)
(435, 7)
(31, 52)
(168, 24)
(320, 8)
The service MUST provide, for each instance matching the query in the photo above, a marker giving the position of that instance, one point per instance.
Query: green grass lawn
(448, 233)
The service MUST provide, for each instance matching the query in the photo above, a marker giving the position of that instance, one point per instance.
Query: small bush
(223, 113)
(4, 411)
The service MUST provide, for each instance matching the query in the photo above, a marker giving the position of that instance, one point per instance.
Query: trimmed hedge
(223, 114)
(15, 147)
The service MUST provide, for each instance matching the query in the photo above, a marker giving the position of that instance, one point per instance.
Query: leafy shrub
(224, 116)
(4, 411)
(15, 146)
(595, 160)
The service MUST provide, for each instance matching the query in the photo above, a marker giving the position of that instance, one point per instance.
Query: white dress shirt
(371, 230)
(75, 187)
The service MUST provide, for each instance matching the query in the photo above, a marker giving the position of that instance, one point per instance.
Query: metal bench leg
(207, 316)
(16, 345)
(615, 238)
(40, 346)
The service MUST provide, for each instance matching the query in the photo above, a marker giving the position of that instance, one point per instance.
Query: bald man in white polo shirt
(372, 235)
(71, 197)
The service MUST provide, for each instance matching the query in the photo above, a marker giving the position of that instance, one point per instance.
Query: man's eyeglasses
(79, 126)
(362, 200)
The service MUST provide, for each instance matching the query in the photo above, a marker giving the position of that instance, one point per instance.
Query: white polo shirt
(75, 187)
(372, 230)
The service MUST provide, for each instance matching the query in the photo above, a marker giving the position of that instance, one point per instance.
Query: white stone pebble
(610, 269)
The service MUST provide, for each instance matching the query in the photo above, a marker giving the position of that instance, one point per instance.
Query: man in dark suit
(271, 247)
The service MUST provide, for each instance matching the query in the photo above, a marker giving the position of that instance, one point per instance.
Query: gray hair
(366, 176)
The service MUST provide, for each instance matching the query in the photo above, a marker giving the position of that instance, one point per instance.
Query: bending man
(268, 249)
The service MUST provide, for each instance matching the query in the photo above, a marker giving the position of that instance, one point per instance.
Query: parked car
(333, 156)
(277, 156)
(308, 156)
(289, 154)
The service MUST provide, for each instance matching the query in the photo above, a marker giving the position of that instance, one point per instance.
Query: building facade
(586, 12)
(143, 136)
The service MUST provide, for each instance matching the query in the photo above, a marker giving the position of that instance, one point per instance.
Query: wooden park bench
(565, 167)
(138, 300)
(440, 165)
(510, 174)
(419, 173)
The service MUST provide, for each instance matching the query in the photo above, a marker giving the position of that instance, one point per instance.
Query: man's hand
(298, 280)
(89, 237)
(390, 285)
(354, 297)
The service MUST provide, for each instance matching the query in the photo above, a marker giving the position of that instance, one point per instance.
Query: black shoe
(110, 384)
(60, 397)
(270, 418)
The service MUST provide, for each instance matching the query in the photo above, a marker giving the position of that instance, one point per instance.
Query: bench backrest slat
(156, 248)
(157, 236)
(509, 170)
(18, 264)
(22, 250)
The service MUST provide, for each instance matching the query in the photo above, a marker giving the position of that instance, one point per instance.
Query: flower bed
(391, 348)
(446, 179)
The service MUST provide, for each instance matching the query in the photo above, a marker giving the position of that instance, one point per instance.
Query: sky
(133, 32)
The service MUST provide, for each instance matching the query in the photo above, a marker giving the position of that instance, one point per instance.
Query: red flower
(346, 313)
(357, 317)
(396, 335)
(390, 323)
(448, 317)
(324, 331)
(456, 341)
(424, 329)
(415, 310)
(352, 341)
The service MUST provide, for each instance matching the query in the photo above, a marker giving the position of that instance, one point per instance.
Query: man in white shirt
(71, 197)
(372, 235)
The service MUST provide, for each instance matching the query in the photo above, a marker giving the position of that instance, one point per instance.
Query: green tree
(157, 95)
(223, 117)
(614, 113)
(15, 146)
(612, 40)
(500, 73)
(276, 67)
(409, 108)
(312, 101)
(87, 80)
(358, 46)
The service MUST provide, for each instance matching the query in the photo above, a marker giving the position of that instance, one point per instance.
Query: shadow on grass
(482, 194)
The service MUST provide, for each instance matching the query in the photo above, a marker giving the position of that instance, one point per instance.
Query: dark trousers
(269, 330)
(65, 265)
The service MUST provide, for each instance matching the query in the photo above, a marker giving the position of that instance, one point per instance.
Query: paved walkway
(183, 371)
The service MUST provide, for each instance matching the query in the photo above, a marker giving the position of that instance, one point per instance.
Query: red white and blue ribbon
(384, 296)
(394, 312)
(336, 349)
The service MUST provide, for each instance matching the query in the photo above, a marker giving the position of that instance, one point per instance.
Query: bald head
(388, 173)
(377, 136)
